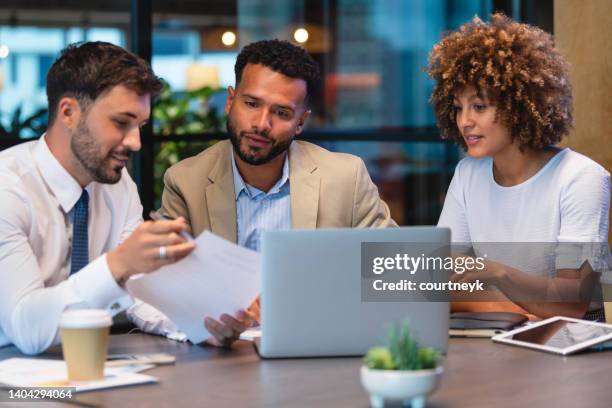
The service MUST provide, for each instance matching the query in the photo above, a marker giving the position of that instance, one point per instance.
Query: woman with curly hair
(503, 93)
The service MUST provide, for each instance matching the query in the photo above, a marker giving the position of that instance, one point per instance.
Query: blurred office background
(374, 94)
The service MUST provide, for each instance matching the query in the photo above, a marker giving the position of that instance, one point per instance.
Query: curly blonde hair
(516, 67)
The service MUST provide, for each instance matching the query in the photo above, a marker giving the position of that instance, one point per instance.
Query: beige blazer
(327, 190)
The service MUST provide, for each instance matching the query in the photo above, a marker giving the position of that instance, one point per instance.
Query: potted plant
(182, 113)
(401, 371)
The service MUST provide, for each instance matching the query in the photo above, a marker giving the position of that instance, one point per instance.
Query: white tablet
(559, 335)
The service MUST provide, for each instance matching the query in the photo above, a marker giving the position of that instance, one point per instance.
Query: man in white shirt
(66, 199)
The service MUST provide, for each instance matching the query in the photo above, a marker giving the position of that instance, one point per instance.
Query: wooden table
(478, 373)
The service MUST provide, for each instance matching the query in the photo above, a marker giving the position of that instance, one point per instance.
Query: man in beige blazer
(328, 190)
(307, 186)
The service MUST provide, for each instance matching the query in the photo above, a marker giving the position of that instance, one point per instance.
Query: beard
(250, 156)
(89, 154)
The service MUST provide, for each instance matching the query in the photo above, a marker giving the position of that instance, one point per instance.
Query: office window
(412, 177)
(372, 54)
(34, 36)
(13, 63)
(374, 93)
(44, 63)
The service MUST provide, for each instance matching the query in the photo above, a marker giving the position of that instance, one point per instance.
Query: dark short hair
(85, 71)
(517, 67)
(282, 57)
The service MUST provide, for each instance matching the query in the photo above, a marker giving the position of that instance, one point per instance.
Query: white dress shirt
(36, 199)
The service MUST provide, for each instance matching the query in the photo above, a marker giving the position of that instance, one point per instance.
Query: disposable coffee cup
(85, 342)
(606, 292)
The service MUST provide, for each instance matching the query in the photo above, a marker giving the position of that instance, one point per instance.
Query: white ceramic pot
(411, 387)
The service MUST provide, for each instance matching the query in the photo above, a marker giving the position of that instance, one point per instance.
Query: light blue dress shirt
(258, 211)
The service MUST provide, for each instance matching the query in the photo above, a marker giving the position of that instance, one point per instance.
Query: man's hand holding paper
(228, 328)
(218, 278)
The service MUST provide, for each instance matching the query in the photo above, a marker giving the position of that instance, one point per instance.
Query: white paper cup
(606, 293)
(85, 342)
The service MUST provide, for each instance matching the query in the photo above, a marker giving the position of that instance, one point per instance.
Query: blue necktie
(80, 242)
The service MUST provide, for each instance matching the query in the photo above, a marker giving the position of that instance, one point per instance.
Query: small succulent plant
(379, 358)
(402, 353)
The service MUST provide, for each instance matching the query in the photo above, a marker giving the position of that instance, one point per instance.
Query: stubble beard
(89, 154)
(276, 149)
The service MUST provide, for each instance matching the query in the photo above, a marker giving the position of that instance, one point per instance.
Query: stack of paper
(31, 372)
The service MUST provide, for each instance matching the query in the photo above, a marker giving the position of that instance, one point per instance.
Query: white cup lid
(85, 318)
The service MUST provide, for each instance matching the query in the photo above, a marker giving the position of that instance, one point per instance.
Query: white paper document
(217, 277)
(33, 372)
(251, 334)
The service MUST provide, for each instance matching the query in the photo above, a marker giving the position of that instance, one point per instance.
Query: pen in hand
(161, 217)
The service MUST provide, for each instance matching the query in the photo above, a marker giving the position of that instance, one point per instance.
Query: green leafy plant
(36, 123)
(379, 358)
(182, 113)
(402, 353)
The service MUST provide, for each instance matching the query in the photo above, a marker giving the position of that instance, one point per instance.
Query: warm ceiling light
(4, 51)
(300, 35)
(228, 38)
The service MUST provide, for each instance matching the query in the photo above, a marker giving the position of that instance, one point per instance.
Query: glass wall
(30, 40)
(412, 177)
(372, 54)
(373, 100)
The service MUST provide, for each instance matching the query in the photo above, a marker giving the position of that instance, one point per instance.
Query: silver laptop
(311, 301)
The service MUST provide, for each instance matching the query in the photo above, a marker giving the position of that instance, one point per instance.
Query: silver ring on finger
(163, 252)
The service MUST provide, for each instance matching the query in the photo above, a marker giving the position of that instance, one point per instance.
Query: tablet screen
(561, 334)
